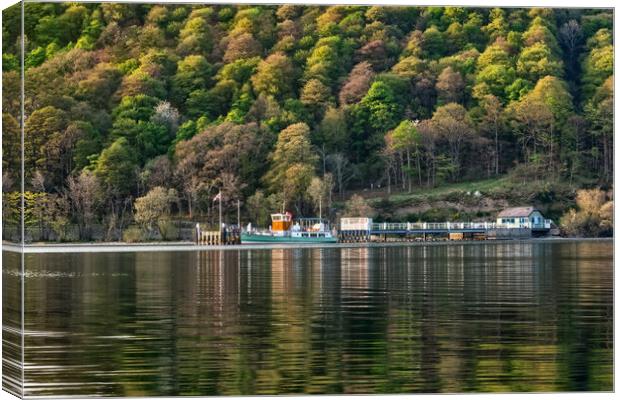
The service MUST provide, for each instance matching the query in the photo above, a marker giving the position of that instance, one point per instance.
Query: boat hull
(253, 238)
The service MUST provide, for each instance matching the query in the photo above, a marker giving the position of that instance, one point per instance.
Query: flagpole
(239, 214)
(219, 195)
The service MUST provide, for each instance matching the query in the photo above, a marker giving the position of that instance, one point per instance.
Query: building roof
(517, 212)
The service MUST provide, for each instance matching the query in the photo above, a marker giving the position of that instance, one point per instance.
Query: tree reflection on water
(461, 318)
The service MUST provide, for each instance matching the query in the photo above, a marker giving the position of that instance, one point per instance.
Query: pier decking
(363, 229)
(430, 227)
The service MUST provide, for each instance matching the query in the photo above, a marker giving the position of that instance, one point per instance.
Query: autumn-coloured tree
(453, 124)
(242, 46)
(450, 86)
(593, 216)
(84, 193)
(357, 84)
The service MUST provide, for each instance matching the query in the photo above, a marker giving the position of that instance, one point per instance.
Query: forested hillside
(293, 104)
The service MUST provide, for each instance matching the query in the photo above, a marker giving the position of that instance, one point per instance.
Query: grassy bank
(476, 200)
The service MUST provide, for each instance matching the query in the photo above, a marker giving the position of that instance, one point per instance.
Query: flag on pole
(218, 197)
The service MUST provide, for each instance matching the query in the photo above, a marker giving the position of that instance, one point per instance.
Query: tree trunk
(403, 173)
(409, 169)
(189, 206)
(496, 151)
(323, 154)
(419, 166)
(605, 157)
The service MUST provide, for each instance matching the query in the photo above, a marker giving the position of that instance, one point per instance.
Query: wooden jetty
(216, 238)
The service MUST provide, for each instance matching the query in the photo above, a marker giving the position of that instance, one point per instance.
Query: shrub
(357, 206)
(60, 226)
(168, 230)
(594, 217)
(153, 206)
(133, 234)
(456, 196)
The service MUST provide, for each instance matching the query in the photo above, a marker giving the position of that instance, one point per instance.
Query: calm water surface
(443, 318)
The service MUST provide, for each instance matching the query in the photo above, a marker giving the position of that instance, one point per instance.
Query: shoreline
(120, 247)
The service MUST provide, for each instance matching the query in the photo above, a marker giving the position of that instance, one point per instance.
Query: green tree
(384, 103)
(532, 122)
(274, 76)
(239, 71)
(493, 122)
(406, 138)
(11, 146)
(495, 71)
(92, 30)
(196, 37)
(319, 191)
(192, 72)
(597, 65)
(599, 114)
(292, 162)
(316, 96)
(540, 33)
(332, 131)
(42, 127)
(537, 61)
(433, 42)
(326, 61)
(116, 168)
(554, 93)
(497, 26)
(258, 209)
(379, 111)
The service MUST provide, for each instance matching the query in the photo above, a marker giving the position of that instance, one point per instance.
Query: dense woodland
(133, 111)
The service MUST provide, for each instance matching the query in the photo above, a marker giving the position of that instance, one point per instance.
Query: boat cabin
(281, 222)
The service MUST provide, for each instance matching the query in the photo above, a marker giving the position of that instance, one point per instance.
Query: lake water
(489, 317)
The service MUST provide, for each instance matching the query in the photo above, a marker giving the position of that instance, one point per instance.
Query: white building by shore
(522, 217)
